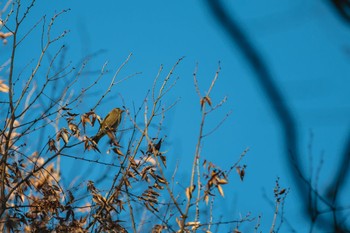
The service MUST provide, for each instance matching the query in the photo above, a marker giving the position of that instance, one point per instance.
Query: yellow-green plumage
(110, 122)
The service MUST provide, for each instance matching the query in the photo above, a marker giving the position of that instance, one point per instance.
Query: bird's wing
(106, 116)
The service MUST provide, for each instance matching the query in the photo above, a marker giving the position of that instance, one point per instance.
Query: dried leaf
(205, 99)
(85, 119)
(117, 151)
(91, 187)
(238, 170)
(72, 114)
(151, 191)
(208, 100)
(161, 180)
(127, 183)
(52, 145)
(69, 119)
(206, 198)
(3, 87)
(221, 191)
(147, 206)
(16, 123)
(195, 225)
(241, 172)
(189, 191)
(178, 222)
(151, 160)
(157, 186)
(159, 144)
(202, 102)
(99, 119)
(163, 159)
(158, 228)
(63, 133)
(133, 162)
(282, 191)
(74, 128)
(222, 181)
(204, 163)
(5, 35)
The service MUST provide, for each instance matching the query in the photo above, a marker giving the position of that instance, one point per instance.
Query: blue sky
(305, 46)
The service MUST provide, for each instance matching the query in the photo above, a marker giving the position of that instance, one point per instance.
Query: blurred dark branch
(343, 9)
(338, 183)
(265, 79)
(343, 172)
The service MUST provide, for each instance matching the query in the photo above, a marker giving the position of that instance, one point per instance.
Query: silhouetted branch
(343, 9)
(269, 86)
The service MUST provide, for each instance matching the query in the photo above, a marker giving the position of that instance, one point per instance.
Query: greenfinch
(110, 123)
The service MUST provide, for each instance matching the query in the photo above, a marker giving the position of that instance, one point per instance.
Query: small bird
(110, 123)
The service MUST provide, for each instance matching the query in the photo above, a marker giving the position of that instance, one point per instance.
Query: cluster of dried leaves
(137, 192)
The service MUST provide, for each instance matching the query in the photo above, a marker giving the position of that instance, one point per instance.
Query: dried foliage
(39, 127)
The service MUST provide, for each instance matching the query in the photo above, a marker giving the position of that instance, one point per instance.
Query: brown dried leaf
(202, 102)
(178, 222)
(127, 183)
(117, 151)
(158, 145)
(222, 181)
(4, 35)
(282, 191)
(157, 186)
(72, 114)
(154, 193)
(195, 225)
(91, 187)
(189, 191)
(206, 198)
(147, 206)
(221, 191)
(145, 177)
(93, 145)
(98, 118)
(131, 174)
(3, 87)
(238, 170)
(133, 162)
(242, 174)
(161, 180)
(93, 118)
(66, 109)
(158, 228)
(74, 128)
(63, 133)
(85, 119)
(204, 163)
(208, 100)
(163, 159)
(69, 119)
(52, 145)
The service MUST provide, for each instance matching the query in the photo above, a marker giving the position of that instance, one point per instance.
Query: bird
(110, 123)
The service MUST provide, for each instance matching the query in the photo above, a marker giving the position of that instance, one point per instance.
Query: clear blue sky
(304, 44)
